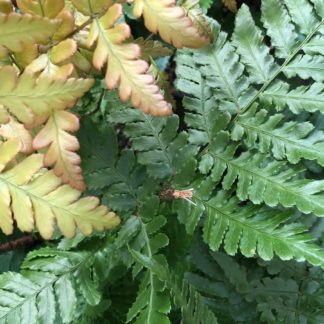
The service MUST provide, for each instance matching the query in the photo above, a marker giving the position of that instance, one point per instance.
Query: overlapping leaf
(45, 8)
(172, 23)
(48, 288)
(153, 301)
(165, 152)
(27, 96)
(16, 29)
(36, 198)
(291, 140)
(61, 147)
(250, 229)
(125, 70)
(111, 173)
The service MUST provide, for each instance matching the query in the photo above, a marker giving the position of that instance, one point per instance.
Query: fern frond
(124, 68)
(14, 130)
(306, 67)
(161, 149)
(152, 49)
(262, 179)
(219, 68)
(222, 282)
(171, 22)
(302, 14)
(45, 8)
(112, 173)
(201, 107)
(255, 60)
(303, 98)
(61, 147)
(16, 29)
(205, 4)
(35, 198)
(152, 303)
(279, 27)
(188, 299)
(89, 7)
(291, 140)
(251, 229)
(254, 53)
(50, 63)
(278, 300)
(51, 281)
(26, 96)
(193, 308)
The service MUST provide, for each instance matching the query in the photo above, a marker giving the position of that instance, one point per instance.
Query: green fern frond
(152, 303)
(277, 292)
(276, 20)
(219, 69)
(192, 307)
(242, 77)
(51, 281)
(250, 229)
(201, 107)
(303, 98)
(261, 179)
(290, 140)
(160, 148)
(112, 173)
(248, 40)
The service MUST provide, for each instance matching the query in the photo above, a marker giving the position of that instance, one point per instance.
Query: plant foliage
(217, 177)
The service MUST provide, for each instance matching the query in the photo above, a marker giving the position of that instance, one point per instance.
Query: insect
(185, 194)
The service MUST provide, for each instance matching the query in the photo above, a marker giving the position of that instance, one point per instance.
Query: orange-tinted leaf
(62, 146)
(47, 8)
(27, 55)
(66, 27)
(171, 22)
(36, 198)
(88, 7)
(124, 67)
(45, 68)
(15, 30)
(6, 6)
(4, 116)
(26, 95)
(63, 51)
(231, 5)
(15, 130)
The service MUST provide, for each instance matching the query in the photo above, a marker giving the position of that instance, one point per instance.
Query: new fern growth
(219, 198)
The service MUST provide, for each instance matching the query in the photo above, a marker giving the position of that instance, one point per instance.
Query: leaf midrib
(279, 71)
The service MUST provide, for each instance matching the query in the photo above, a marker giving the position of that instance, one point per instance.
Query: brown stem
(18, 243)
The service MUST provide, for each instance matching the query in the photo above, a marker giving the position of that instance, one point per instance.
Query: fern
(48, 279)
(152, 303)
(285, 140)
(35, 199)
(219, 205)
(113, 173)
(165, 152)
(255, 175)
(191, 304)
